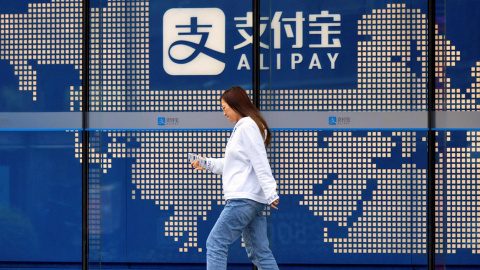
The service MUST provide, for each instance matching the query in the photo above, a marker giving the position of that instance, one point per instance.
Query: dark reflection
(18, 237)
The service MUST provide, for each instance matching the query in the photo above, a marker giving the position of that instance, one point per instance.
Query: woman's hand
(274, 204)
(196, 164)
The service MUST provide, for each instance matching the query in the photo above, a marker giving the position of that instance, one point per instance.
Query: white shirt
(245, 170)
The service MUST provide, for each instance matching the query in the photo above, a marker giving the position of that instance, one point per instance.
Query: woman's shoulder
(247, 126)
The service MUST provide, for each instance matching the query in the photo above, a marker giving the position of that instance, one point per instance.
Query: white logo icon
(194, 41)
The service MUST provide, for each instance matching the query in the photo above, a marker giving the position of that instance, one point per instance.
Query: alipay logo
(332, 120)
(161, 121)
(193, 41)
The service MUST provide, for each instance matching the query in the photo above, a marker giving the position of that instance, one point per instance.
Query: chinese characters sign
(195, 40)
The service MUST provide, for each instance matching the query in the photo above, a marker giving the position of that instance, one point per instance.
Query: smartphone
(201, 160)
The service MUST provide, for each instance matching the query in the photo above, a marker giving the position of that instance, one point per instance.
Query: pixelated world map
(365, 187)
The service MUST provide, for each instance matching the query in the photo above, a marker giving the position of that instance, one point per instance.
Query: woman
(248, 185)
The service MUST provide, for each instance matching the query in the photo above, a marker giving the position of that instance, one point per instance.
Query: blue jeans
(240, 217)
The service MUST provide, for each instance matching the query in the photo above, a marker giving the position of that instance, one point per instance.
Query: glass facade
(344, 87)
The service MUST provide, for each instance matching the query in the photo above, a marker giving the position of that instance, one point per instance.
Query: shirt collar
(241, 121)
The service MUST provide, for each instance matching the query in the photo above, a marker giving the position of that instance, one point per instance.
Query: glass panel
(459, 59)
(356, 196)
(326, 57)
(345, 91)
(458, 136)
(40, 198)
(457, 204)
(158, 70)
(40, 171)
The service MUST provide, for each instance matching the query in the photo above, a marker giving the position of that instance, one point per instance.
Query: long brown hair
(236, 97)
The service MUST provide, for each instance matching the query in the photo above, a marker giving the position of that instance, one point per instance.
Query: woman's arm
(214, 165)
(255, 149)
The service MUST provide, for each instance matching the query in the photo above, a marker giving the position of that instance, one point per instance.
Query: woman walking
(248, 185)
